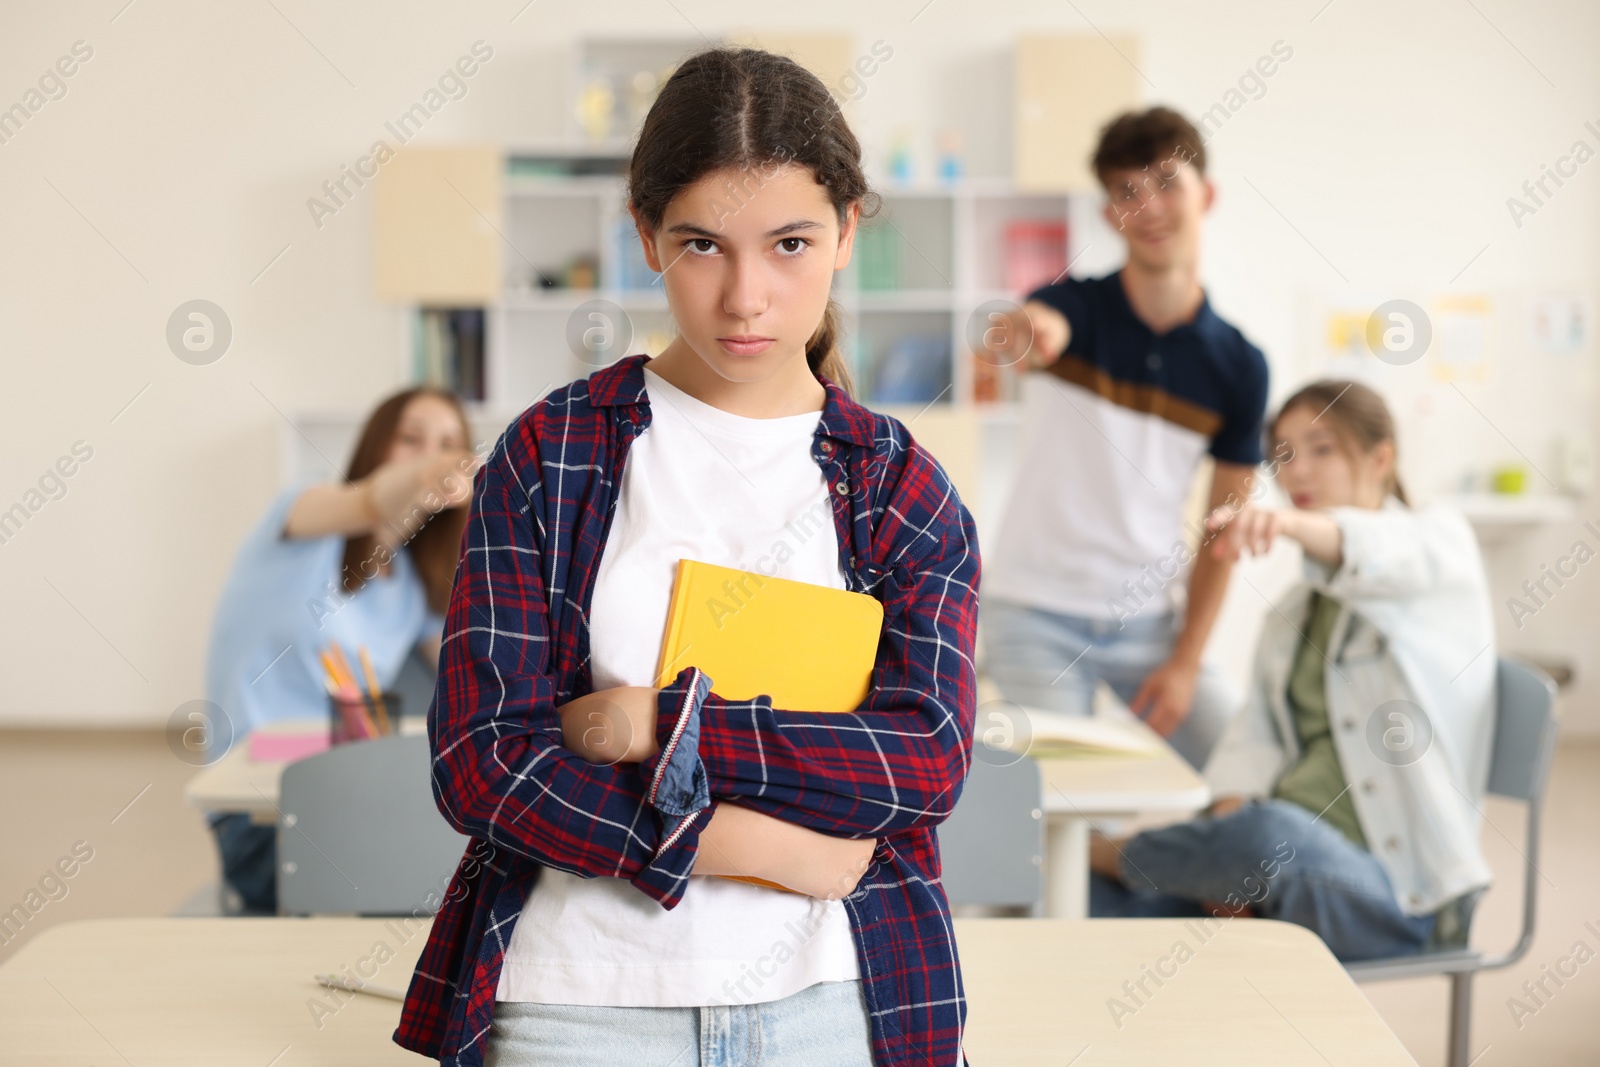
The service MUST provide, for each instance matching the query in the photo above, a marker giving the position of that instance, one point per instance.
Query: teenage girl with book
(585, 926)
(1350, 786)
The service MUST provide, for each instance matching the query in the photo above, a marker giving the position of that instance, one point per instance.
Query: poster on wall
(1557, 325)
(1461, 338)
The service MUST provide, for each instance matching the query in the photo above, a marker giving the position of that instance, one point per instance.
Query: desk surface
(1090, 785)
(1119, 785)
(220, 992)
(237, 783)
(1240, 992)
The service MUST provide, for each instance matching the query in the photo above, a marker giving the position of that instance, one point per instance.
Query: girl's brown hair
(746, 108)
(435, 544)
(1360, 419)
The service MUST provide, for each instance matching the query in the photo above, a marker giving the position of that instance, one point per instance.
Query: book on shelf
(448, 350)
(633, 272)
(1035, 253)
(877, 252)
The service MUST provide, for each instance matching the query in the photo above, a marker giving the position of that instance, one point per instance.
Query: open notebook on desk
(1056, 735)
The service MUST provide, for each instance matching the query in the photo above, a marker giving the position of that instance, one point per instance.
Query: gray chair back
(1524, 733)
(991, 847)
(359, 832)
(415, 686)
(1524, 744)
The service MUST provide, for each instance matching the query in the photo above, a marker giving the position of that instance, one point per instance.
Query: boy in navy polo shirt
(1135, 379)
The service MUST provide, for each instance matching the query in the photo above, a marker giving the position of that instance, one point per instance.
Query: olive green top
(1316, 781)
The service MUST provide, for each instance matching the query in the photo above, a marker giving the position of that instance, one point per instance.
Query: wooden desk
(1075, 789)
(1257, 992)
(201, 992)
(225, 992)
(237, 783)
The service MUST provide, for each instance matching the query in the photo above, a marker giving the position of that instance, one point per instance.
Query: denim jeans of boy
(823, 1024)
(1279, 859)
(1044, 660)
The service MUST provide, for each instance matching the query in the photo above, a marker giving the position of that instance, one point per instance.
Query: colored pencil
(350, 691)
(377, 690)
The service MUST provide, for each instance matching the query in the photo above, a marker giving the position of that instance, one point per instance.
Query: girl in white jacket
(1349, 787)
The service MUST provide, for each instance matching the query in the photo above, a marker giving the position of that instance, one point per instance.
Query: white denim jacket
(1416, 628)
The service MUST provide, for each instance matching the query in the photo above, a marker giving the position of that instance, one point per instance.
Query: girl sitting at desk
(1349, 787)
(363, 563)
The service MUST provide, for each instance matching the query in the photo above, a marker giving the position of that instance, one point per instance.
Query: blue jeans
(249, 853)
(1044, 660)
(824, 1025)
(1277, 858)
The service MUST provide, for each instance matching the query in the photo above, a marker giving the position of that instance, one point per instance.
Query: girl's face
(747, 257)
(428, 426)
(1318, 471)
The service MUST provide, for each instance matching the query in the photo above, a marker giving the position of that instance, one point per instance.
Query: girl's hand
(827, 868)
(390, 504)
(1239, 530)
(448, 477)
(427, 484)
(743, 842)
(1251, 529)
(609, 726)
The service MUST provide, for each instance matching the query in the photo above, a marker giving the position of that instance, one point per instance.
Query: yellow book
(806, 647)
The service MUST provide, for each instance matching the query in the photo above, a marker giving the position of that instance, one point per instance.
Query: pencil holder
(362, 719)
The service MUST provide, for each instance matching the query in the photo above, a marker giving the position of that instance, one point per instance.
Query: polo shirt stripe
(1135, 396)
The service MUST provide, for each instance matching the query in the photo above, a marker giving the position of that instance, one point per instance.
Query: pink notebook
(286, 748)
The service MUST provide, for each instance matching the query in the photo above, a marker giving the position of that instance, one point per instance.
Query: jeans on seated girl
(1276, 858)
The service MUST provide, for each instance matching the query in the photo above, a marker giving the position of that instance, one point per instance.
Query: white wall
(179, 163)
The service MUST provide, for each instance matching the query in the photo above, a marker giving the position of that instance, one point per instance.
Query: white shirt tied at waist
(1411, 695)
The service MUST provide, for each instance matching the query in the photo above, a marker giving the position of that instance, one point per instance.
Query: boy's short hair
(1157, 136)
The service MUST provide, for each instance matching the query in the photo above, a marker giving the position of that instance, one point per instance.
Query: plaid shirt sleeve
(500, 770)
(899, 761)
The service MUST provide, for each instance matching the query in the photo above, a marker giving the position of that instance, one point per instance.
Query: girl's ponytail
(822, 351)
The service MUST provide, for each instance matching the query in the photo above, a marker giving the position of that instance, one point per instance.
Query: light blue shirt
(283, 604)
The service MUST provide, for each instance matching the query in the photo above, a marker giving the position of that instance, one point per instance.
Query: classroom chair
(414, 686)
(1524, 741)
(991, 847)
(360, 834)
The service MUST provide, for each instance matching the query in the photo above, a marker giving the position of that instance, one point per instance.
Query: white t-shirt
(1094, 526)
(699, 483)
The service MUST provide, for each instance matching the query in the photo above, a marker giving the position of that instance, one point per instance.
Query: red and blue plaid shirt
(517, 646)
